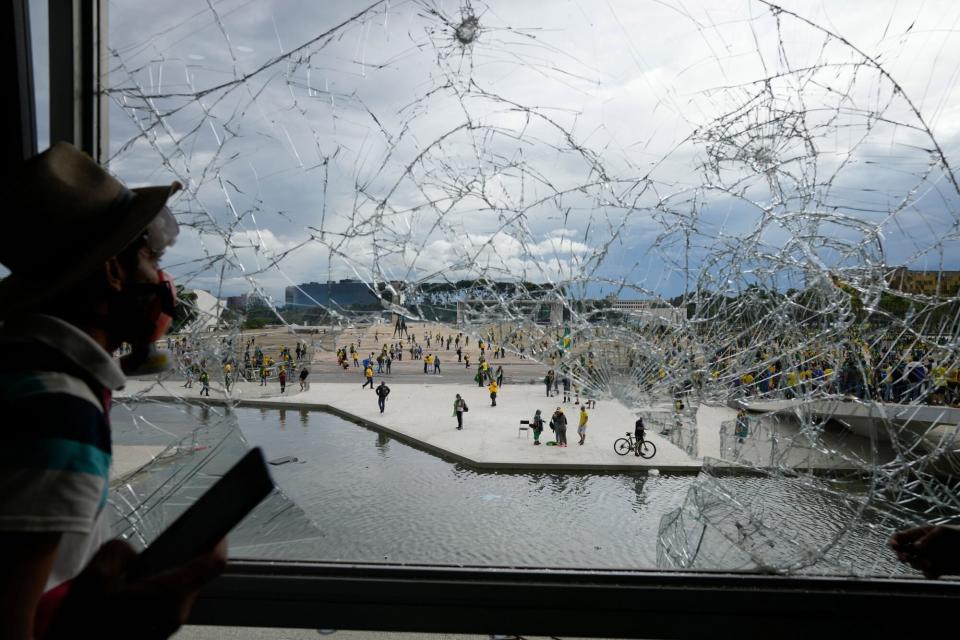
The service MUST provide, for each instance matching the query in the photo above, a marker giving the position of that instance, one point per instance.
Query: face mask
(151, 307)
(161, 311)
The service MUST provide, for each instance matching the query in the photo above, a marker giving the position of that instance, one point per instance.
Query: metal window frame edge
(583, 603)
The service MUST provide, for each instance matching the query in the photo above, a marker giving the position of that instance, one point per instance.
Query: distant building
(246, 301)
(930, 283)
(344, 293)
(650, 311)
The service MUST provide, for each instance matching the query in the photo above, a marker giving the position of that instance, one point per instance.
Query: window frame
(595, 603)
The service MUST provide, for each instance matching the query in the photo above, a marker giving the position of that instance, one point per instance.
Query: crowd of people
(194, 355)
(908, 375)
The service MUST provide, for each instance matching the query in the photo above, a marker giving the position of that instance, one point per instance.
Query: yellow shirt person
(368, 373)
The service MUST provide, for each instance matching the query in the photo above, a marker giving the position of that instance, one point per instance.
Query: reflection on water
(372, 499)
(375, 498)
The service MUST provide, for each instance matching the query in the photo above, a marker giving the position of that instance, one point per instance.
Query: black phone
(209, 519)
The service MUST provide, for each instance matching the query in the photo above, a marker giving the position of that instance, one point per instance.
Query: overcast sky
(652, 144)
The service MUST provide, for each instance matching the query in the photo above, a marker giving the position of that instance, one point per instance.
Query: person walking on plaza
(368, 373)
(205, 383)
(459, 408)
(382, 392)
(741, 426)
(303, 379)
(426, 362)
(282, 378)
(83, 253)
(566, 387)
(582, 427)
(499, 375)
(436, 364)
(537, 426)
(493, 388)
(548, 381)
(466, 359)
(560, 427)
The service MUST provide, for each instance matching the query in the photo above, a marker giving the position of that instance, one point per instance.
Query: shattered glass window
(737, 221)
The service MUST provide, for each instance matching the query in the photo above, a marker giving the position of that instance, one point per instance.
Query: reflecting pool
(354, 494)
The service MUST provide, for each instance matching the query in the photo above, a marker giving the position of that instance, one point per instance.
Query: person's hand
(932, 549)
(104, 603)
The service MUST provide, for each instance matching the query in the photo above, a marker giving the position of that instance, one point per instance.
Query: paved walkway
(127, 458)
(422, 414)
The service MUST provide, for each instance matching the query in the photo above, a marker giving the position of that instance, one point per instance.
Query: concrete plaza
(422, 415)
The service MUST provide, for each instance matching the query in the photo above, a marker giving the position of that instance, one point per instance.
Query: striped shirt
(55, 451)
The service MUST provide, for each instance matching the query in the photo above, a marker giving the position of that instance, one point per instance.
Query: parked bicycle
(643, 448)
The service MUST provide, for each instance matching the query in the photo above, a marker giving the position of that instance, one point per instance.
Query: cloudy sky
(630, 146)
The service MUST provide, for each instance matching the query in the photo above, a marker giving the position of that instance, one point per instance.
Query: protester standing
(493, 388)
(537, 425)
(582, 427)
(560, 427)
(639, 432)
(459, 408)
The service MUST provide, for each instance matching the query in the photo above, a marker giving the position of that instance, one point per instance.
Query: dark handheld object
(210, 518)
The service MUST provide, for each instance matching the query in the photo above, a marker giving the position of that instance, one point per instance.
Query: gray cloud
(592, 119)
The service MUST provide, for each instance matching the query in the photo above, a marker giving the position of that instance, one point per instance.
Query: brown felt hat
(65, 216)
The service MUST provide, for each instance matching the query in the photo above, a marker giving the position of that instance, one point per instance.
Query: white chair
(524, 428)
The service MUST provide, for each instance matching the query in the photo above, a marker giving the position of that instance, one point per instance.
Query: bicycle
(644, 448)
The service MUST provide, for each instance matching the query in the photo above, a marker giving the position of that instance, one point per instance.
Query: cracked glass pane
(738, 224)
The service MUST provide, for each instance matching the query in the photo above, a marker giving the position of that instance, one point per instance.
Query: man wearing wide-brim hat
(83, 253)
